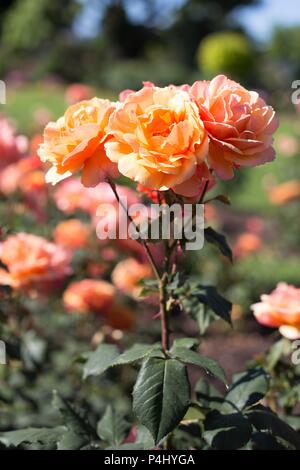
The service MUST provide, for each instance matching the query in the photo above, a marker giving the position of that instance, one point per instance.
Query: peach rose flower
(157, 138)
(32, 263)
(280, 309)
(246, 244)
(127, 274)
(76, 142)
(12, 177)
(285, 192)
(239, 123)
(72, 234)
(89, 295)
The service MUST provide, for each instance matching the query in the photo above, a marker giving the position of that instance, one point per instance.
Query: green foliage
(48, 18)
(107, 355)
(226, 52)
(193, 298)
(191, 357)
(78, 431)
(239, 421)
(218, 239)
(284, 47)
(161, 395)
(46, 437)
(112, 427)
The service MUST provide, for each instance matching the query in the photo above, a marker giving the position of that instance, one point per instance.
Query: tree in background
(198, 18)
(30, 26)
(132, 36)
(230, 53)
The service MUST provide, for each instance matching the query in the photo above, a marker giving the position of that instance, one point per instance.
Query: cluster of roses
(163, 138)
(38, 267)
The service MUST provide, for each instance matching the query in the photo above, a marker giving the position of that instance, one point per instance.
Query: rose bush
(176, 143)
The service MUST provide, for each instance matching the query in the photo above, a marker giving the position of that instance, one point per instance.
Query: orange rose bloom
(72, 234)
(32, 263)
(127, 275)
(157, 138)
(76, 141)
(89, 295)
(280, 309)
(284, 192)
(12, 177)
(239, 123)
(98, 297)
(246, 244)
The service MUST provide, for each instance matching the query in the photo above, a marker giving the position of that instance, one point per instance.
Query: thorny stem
(162, 279)
(164, 314)
(143, 241)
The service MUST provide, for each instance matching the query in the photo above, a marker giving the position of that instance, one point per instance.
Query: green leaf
(248, 388)
(227, 432)
(208, 396)
(192, 357)
(264, 419)
(136, 353)
(112, 428)
(204, 317)
(188, 343)
(78, 431)
(161, 395)
(219, 240)
(107, 355)
(292, 420)
(264, 441)
(100, 360)
(220, 306)
(277, 351)
(45, 436)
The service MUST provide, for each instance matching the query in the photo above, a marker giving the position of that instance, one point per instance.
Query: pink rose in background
(70, 195)
(12, 146)
(280, 309)
(78, 92)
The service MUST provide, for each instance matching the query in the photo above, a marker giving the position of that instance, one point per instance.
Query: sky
(259, 20)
